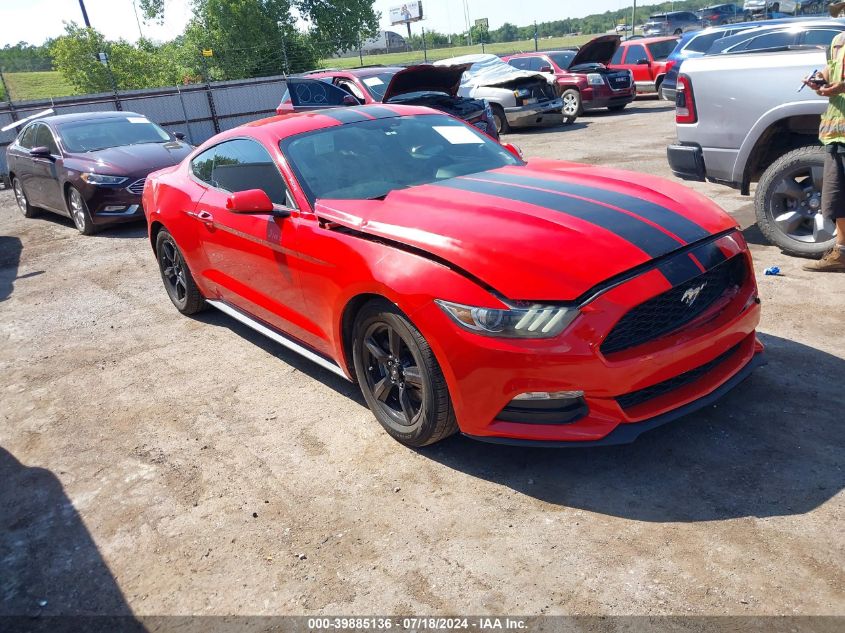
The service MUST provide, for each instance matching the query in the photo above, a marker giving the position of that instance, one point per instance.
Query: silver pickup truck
(741, 119)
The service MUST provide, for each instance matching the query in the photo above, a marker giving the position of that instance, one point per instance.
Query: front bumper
(112, 205)
(598, 101)
(548, 113)
(686, 161)
(485, 374)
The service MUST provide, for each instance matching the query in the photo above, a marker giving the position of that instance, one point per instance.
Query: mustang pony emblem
(690, 296)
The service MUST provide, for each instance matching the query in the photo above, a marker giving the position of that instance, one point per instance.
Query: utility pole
(633, 18)
(425, 48)
(137, 19)
(84, 14)
(536, 36)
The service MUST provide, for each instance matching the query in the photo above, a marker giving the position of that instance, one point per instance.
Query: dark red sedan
(463, 288)
(89, 166)
(583, 79)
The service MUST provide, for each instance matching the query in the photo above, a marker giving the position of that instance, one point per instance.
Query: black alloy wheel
(400, 377)
(176, 275)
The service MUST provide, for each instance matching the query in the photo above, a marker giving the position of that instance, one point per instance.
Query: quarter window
(240, 165)
(27, 137)
(820, 37)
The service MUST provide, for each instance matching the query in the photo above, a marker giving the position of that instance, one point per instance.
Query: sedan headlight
(533, 321)
(100, 179)
(521, 93)
(595, 79)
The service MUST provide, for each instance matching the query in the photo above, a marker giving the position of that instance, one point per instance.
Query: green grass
(499, 48)
(37, 85)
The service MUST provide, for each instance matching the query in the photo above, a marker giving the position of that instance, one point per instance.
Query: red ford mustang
(463, 288)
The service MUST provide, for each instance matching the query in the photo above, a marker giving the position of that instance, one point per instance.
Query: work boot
(832, 262)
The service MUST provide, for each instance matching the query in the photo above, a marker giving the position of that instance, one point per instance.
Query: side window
(769, 40)
(820, 37)
(27, 138)
(239, 165)
(617, 56)
(537, 63)
(523, 63)
(636, 53)
(351, 88)
(44, 138)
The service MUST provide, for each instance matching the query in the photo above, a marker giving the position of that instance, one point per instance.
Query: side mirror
(179, 136)
(513, 149)
(349, 100)
(41, 151)
(546, 69)
(643, 62)
(250, 201)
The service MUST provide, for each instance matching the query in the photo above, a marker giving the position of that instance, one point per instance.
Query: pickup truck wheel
(500, 119)
(572, 106)
(788, 202)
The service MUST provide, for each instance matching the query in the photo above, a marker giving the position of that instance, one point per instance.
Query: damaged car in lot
(583, 80)
(463, 288)
(423, 84)
(518, 98)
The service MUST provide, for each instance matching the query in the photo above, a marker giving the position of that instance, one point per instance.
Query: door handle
(203, 216)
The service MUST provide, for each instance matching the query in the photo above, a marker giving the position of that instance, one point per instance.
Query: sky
(34, 21)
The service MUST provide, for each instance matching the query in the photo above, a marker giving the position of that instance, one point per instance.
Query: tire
(400, 377)
(499, 119)
(572, 105)
(786, 203)
(79, 212)
(177, 277)
(617, 108)
(660, 94)
(27, 209)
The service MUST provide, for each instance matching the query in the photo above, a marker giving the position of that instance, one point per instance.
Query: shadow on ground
(774, 446)
(123, 230)
(49, 564)
(10, 258)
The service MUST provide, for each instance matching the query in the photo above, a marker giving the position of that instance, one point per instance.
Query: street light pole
(84, 14)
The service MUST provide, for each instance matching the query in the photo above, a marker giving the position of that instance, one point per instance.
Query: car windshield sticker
(137, 119)
(373, 81)
(457, 134)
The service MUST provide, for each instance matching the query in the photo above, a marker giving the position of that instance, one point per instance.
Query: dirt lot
(156, 464)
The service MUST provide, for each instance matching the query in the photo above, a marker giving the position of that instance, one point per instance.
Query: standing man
(832, 136)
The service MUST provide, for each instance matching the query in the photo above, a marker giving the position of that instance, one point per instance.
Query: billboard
(405, 13)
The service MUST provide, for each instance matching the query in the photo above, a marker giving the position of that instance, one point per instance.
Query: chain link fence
(197, 111)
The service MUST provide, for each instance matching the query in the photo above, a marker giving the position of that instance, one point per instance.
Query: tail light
(685, 112)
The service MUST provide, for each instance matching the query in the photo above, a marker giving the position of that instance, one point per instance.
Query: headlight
(534, 321)
(100, 179)
(521, 93)
(595, 79)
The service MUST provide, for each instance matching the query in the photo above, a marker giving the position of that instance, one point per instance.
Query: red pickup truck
(647, 59)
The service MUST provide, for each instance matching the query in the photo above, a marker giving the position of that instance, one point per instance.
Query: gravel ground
(157, 464)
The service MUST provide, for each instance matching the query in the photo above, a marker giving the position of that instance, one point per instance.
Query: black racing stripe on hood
(378, 112)
(672, 221)
(346, 116)
(647, 238)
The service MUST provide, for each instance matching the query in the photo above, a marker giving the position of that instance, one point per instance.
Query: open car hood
(599, 50)
(537, 232)
(489, 70)
(426, 78)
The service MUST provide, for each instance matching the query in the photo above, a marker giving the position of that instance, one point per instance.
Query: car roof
(727, 42)
(539, 53)
(649, 40)
(59, 119)
(355, 72)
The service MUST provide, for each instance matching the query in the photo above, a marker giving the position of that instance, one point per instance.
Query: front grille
(137, 187)
(662, 388)
(619, 81)
(673, 309)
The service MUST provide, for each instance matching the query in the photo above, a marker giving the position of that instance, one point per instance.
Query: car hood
(540, 232)
(599, 50)
(489, 70)
(426, 78)
(134, 159)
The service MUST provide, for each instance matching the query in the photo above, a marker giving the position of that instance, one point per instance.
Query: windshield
(662, 50)
(368, 160)
(94, 134)
(563, 59)
(377, 84)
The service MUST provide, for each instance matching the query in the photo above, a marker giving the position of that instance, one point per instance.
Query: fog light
(114, 208)
(549, 395)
